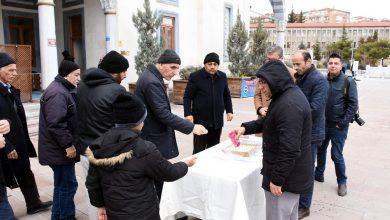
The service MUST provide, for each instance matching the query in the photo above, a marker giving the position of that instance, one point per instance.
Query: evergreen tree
(149, 49)
(341, 47)
(302, 46)
(373, 38)
(292, 17)
(258, 46)
(301, 18)
(317, 51)
(344, 36)
(371, 52)
(237, 48)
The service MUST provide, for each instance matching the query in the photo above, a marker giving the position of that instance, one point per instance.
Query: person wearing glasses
(261, 101)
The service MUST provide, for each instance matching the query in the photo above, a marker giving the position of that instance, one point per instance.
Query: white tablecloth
(219, 186)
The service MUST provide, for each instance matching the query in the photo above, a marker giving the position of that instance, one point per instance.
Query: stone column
(279, 10)
(47, 42)
(110, 9)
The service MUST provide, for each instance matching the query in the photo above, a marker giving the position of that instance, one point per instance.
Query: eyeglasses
(262, 81)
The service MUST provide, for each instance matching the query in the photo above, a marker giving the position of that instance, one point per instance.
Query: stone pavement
(367, 154)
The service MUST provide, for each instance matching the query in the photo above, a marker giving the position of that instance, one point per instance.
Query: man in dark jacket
(287, 163)
(95, 94)
(341, 106)
(6, 211)
(206, 97)
(123, 166)
(15, 156)
(161, 123)
(315, 87)
(56, 145)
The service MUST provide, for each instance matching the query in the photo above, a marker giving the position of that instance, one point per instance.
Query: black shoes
(302, 213)
(319, 179)
(41, 207)
(342, 190)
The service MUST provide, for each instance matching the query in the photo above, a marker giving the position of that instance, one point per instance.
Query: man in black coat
(206, 97)
(57, 129)
(287, 163)
(313, 84)
(161, 123)
(96, 93)
(341, 107)
(6, 211)
(15, 156)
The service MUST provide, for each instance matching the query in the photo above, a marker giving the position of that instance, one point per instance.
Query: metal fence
(22, 56)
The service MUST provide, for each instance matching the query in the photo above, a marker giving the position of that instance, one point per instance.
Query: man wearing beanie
(206, 97)
(161, 123)
(122, 163)
(96, 93)
(56, 143)
(15, 156)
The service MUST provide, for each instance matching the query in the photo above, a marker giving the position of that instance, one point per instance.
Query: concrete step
(32, 115)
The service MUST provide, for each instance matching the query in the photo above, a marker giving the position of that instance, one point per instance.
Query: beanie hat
(6, 60)
(67, 56)
(169, 56)
(114, 62)
(67, 67)
(211, 57)
(128, 109)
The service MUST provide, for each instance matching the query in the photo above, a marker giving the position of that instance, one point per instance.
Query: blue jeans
(337, 137)
(65, 186)
(305, 199)
(6, 212)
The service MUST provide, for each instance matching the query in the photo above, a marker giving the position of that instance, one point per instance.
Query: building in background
(327, 15)
(324, 33)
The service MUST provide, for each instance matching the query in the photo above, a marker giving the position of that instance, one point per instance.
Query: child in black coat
(123, 166)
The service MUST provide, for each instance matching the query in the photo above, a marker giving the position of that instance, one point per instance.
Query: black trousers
(202, 142)
(28, 186)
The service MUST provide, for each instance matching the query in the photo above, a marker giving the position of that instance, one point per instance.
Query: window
(168, 32)
(21, 31)
(288, 45)
(227, 26)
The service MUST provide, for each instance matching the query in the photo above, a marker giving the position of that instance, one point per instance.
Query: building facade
(327, 15)
(324, 33)
(90, 28)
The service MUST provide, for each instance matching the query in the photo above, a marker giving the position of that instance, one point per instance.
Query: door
(76, 39)
(21, 31)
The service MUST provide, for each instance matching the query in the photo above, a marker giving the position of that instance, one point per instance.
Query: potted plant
(147, 24)
(238, 56)
(179, 85)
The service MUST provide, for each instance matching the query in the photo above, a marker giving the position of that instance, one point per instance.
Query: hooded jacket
(286, 131)
(95, 96)
(122, 171)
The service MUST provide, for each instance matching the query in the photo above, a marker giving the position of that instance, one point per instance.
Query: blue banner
(248, 87)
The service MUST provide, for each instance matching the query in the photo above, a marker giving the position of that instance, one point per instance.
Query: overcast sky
(369, 8)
